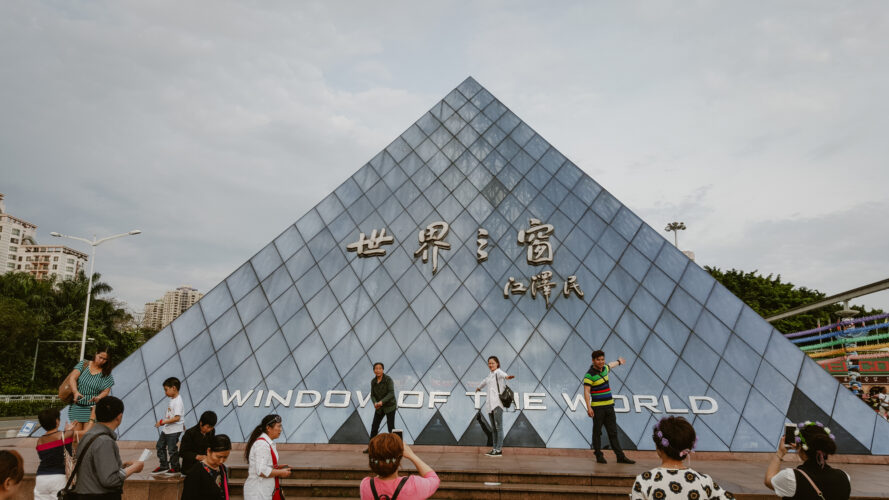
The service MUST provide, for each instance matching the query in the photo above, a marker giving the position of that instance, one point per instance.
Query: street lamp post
(675, 227)
(37, 347)
(89, 288)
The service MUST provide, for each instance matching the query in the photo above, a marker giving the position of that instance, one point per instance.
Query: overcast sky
(212, 126)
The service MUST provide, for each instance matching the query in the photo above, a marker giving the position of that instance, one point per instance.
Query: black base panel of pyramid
(436, 432)
(478, 433)
(802, 408)
(523, 435)
(351, 432)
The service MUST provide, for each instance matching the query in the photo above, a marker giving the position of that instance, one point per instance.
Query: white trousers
(46, 486)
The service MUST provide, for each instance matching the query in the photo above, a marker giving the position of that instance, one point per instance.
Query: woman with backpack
(384, 453)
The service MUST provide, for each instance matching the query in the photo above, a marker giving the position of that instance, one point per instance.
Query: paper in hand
(144, 456)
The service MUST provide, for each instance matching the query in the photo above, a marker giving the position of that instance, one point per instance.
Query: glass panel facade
(303, 314)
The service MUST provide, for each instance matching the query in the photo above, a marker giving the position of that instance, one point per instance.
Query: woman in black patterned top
(208, 479)
(674, 439)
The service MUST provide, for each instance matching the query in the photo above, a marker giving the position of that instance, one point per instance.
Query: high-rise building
(177, 301)
(161, 312)
(19, 251)
(154, 314)
(15, 233)
(44, 261)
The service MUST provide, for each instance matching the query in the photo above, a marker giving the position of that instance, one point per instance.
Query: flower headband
(798, 436)
(383, 461)
(665, 443)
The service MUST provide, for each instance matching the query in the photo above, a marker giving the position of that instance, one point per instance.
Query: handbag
(67, 493)
(507, 397)
(66, 392)
(68, 458)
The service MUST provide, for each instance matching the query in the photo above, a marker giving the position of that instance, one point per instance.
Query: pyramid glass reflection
(535, 263)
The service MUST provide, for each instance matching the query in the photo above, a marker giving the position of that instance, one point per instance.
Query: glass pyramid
(307, 314)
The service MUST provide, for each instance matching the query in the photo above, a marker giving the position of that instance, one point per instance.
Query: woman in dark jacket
(196, 440)
(208, 479)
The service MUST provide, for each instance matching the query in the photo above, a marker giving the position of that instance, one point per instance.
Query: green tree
(32, 309)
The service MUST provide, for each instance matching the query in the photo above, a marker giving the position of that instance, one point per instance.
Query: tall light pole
(675, 227)
(89, 288)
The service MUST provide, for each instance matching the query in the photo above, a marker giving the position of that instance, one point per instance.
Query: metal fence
(9, 398)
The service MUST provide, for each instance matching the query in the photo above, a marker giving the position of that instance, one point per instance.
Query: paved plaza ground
(736, 472)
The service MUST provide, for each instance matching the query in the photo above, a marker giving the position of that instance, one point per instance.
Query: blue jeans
(168, 443)
(497, 423)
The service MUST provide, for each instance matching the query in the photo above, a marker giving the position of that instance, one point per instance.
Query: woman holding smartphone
(265, 471)
(494, 383)
(385, 452)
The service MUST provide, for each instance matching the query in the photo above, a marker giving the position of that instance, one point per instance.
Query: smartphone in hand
(789, 434)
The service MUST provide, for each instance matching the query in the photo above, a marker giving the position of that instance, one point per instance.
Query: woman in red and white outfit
(265, 471)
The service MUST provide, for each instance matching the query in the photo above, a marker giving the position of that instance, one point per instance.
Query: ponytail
(267, 421)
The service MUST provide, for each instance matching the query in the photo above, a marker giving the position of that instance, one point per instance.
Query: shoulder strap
(817, 491)
(373, 489)
(497, 381)
(224, 473)
(400, 485)
(81, 454)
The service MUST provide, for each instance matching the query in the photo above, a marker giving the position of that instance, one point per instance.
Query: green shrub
(27, 408)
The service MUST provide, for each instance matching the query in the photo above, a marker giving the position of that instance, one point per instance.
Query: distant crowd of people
(201, 454)
(877, 399)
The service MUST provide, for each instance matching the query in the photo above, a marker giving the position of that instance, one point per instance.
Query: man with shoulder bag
(99, 471)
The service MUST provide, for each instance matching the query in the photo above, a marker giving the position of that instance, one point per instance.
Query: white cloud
(212, 126)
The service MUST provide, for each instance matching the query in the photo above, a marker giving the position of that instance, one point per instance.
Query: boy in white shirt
(173, 425)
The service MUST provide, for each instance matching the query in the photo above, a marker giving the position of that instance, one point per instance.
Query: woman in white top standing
(494, 383)
(264, 471)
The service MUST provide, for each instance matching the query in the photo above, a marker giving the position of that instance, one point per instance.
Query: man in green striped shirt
(597, 393)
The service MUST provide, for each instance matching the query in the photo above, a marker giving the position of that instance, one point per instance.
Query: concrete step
(465, 476)
(346, 488)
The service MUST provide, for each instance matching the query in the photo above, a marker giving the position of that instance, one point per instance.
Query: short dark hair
(598, 353)
(381, 365)
(108, 408)
(173, 382)
(11, 466)
(496, 360)
(208, 418)
(48, 418)
(219, 442)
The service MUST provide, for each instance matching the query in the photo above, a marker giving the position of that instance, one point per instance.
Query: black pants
(378, 419)
(604, 415)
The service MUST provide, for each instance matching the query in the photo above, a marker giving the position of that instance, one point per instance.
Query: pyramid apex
(469, 87)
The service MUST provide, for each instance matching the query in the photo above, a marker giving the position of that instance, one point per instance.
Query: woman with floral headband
(674, 438)
(813, 479)
(385, 452)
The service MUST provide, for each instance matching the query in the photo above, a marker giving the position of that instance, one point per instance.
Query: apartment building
(15, 234)
(161, 312)
(20, 252)
(44, 261)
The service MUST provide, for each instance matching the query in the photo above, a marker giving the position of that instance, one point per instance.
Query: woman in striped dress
(92, 381)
